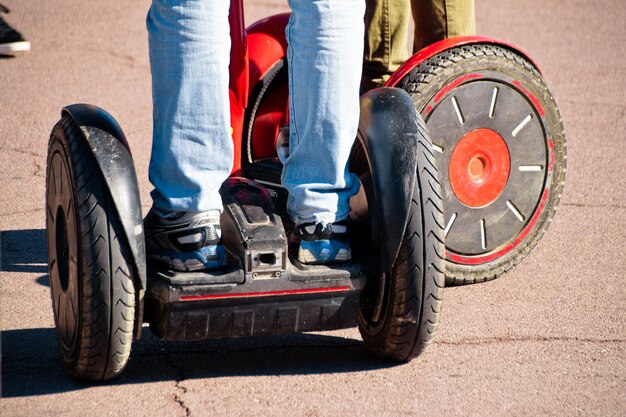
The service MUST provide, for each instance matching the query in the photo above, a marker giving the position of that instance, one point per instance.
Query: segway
(103, 289)
(496, 133)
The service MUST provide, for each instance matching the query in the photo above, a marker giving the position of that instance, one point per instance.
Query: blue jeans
(192, 150)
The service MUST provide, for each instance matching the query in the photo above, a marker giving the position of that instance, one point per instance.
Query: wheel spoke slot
(521, 125)
(515, 211)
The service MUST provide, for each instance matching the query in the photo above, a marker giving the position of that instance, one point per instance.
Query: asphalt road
(548, 338)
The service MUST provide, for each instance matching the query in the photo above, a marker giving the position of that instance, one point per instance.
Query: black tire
(413, 296)
(483, 242)
(91, 273)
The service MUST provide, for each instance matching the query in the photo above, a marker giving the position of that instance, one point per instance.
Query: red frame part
(264, 45)
(444, 45)
(268, 37)
(239, 80)
(253, 52)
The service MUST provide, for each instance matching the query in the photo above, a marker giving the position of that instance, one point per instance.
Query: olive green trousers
(386, 31)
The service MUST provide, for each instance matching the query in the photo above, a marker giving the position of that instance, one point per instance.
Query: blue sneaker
(185, 241)
(322, 243)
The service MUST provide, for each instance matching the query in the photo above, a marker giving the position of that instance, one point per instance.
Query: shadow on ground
(24, 251)
(31, 364)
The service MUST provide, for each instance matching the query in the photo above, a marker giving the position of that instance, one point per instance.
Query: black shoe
(184, 241)
(322, 243)
(11, 41)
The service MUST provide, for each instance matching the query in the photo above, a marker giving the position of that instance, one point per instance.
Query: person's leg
(386, 23)
(325, 51)
(441, 19)
(386, 30)
(192, 151)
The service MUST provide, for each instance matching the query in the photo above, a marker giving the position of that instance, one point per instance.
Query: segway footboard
(260, 291)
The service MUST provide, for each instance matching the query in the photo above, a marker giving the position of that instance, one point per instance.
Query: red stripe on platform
(264, 294)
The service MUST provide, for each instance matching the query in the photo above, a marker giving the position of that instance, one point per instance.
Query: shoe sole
(15, 47)
(306, 256)
(189, 262)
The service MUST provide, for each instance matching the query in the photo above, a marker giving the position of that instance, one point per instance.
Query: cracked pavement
(547, 338)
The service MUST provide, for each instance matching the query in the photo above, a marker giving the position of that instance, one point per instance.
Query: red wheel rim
(479, 167)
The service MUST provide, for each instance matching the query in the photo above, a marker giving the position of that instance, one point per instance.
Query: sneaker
(184, 241)
(11, 41)
(322, 243)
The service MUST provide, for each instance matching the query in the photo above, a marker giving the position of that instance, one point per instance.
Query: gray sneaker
(185, 241)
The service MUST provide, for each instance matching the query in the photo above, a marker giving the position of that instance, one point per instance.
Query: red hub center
(479, 167)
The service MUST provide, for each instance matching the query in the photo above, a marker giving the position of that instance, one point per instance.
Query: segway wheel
(412, 297)
(498, 136)
(91, 277)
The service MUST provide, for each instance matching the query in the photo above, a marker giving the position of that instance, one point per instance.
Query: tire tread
(106, 280)
(418, 280)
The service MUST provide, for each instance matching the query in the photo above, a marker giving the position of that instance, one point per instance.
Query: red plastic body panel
(253, 52)
(444, 45)
(271, 116)
(267, 45)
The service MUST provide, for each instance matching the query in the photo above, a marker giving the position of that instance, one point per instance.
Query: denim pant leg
(324, 58)
(192, 149)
